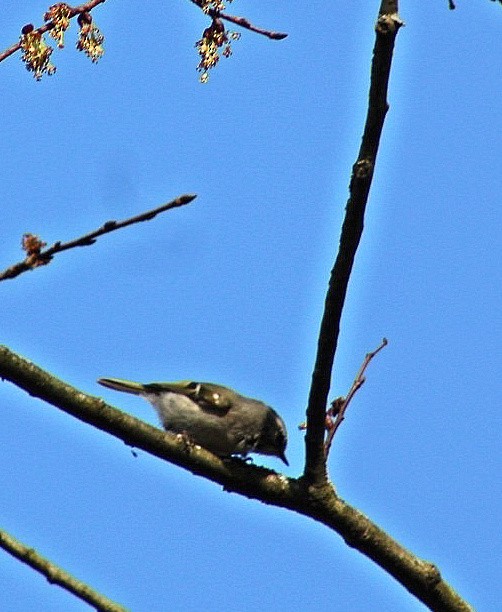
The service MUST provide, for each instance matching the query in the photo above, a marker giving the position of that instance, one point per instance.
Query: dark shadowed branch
(387, 27)
(36, 256)
(321, 503)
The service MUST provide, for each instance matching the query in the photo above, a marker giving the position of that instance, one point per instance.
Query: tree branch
(339, 406)
(84, 8)
(387, 26)
(321, 503)
(246, 24)
(242, 22)
(36, 257)
(56, 575)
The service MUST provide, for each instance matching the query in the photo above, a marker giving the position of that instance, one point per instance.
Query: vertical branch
(387, 26)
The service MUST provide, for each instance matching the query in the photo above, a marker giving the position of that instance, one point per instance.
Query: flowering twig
(216, 40)
(37, 257)
(77, 10)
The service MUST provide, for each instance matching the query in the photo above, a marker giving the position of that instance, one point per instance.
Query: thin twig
(340, 405)
(387, 26)
(45, 256)
(57, 575)
(83, 8)
(245, 23)
(242, 22)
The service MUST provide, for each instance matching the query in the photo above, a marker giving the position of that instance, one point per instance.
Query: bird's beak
(282, 456)
(127, 386)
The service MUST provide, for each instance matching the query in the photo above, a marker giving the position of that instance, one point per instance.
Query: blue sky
(231, 289)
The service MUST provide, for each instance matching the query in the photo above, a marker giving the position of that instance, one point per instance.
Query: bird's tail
(128, 386)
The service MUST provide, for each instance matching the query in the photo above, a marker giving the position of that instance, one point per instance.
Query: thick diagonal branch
(362, 173)
(321, 503)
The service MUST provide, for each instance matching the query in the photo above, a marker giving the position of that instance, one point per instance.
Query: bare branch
(321, 503)
(56, 575)
(387, 26)
(42, 257)
(340, 405)
(243, 23)
(84, 8)
(336, 412)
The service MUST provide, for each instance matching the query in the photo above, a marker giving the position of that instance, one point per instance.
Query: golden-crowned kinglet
(213, 416)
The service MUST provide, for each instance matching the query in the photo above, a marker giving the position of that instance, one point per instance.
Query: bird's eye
(216, 398)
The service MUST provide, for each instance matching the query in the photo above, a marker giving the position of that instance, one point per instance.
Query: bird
(212, 416)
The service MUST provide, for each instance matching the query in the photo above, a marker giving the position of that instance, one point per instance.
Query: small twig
(339, 406)
(84, 8)
(245, 23)
(242, 22)
(336, 412)
(57, 575)
(44, 257)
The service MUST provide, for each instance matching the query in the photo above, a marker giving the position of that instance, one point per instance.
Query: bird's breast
(180, 414)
